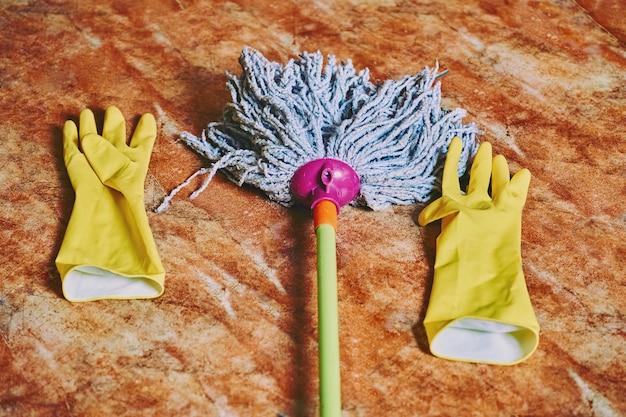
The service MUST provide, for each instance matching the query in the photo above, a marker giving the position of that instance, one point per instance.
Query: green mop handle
(325, 217)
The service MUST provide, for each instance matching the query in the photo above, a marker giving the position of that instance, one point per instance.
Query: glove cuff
(483, 340)
(89, 283)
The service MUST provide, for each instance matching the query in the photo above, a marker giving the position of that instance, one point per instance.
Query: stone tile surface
(235, 332)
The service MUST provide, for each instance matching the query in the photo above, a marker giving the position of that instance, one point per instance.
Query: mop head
(394, 134)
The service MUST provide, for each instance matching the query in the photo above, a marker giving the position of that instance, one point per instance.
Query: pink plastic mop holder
(325, 179)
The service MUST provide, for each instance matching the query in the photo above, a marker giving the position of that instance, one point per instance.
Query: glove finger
(144, 135)
(71, 152)
(70, 141)
(87, 123)
(480, 173)
(438, 209)
(518, 187)
(450, 183)
(114, 128)
(78, 168)
(500, 176)
(105, 159)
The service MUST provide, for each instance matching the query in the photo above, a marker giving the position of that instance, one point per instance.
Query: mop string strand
(395, 134)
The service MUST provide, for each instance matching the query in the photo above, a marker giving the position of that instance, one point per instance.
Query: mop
(326, 136)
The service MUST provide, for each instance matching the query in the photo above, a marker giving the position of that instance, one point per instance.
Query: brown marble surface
(235, 332)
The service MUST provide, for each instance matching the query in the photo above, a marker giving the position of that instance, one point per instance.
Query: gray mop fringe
(394, 134)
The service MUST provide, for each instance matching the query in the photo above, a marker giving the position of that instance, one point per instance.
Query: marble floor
(235, 333)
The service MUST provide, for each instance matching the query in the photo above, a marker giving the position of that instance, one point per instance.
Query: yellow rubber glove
(479, 308)
(108, 251)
